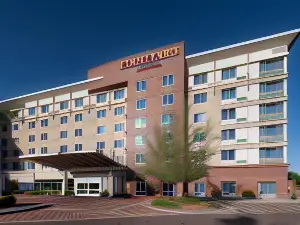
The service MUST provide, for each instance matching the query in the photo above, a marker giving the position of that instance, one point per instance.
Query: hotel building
(90, 135)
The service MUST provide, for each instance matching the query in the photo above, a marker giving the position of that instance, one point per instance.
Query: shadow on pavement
(242, 220)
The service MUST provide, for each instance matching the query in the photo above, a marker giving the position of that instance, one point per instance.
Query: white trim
(243, 43)
(139, 82)
(139, 100)
(162, 99)
(162, 80)
(52, 89)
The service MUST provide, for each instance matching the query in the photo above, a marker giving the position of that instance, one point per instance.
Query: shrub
(216, 193)
(248, 194)
(18, 192)
(14, 185)
(48, 192)
(294, 196)
(7, 201)
(69, 193)
(104, 193)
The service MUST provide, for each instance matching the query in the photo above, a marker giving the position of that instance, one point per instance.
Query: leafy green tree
(294, 176)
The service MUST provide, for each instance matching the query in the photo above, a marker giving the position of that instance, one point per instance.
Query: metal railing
(271, 73)
(274, 116)
(275, 138)
(271, 94)
(271, 160)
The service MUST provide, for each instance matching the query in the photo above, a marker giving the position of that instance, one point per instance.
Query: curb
(25, 208)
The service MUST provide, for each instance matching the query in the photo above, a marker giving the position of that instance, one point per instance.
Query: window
(64, 105)
(228, 134)
(78, 147)
(119, 127)
(199, 137)
(31, 125)
(63, 120)
(168, 99)
(119, 94)
(31, 111)
(228, 188)
(167, 80)
(31, 151)
(141, 85)
(273, 130)
(228, 73)
(44, 150)
(44, 136)
(141, 104)
(101, 113)
(140, 122)
(4, 142)
(64, 134)
(31, 138)
(4, 128)
(31, 166)
(139, 140)
(267, 188)
(119, 143)
(44, 123)
(141, 187)
(64, 148)
(272, 108)
(78, 132)
(273, 86)
(101, 98)
(45, 108)
(78, 102)
(199, 189)
(228, 94)
(271, 153)
(200, 79)
(200, 98)
(15, 126)
(139, 158)
(101, 130)
(78, 117)
(228, 155)
(167, 119)
(119, 111)
(271, 65)
(228, 114)
(100, 145)
(199, 118)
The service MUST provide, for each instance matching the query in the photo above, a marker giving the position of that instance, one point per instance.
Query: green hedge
(248, 194)
(105, 193)
(42, 192)
(18, 192)
(7, 201)
(69, 193)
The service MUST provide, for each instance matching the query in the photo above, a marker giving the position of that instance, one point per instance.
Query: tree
(180, 154)
(294, 176)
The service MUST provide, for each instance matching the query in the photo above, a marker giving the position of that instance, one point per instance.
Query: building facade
(241, 89)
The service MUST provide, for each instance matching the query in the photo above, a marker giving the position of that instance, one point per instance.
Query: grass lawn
(190, 200)
(165, 203)
(180, 202)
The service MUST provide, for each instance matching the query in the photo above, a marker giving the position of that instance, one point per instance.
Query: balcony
(274, 138)
(272, 94)
(271, 73)
(274, 116)
(271, 160)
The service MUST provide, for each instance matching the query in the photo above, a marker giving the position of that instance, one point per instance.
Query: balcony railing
(274, 116)
(272, 94)
(271, 160)
(275, 138)
(271, 73)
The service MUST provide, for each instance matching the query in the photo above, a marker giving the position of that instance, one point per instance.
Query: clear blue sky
(46, 43)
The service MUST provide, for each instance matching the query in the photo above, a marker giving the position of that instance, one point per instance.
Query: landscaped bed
(188, 203)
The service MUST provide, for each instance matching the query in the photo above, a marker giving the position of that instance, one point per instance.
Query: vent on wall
(279, 49)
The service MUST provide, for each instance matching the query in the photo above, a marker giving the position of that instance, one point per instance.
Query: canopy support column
(65, 182)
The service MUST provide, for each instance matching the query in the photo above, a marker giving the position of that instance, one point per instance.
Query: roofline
(52, 89)
(245, 43)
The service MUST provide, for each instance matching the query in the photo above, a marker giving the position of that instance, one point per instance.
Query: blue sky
(44, 44)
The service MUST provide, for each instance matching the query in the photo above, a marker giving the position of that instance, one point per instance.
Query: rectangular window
(228, 188)
(140, 122)
(78, 102)
(119, 111)
(100, 145)
(119, 143)
(167, 99)
(101, 98)
(78, 132)
(119, 94)
(64, 105)
(200, 118)
(44, 136)
(141, 85)
(15, 126)
(139, 158)
(63, 120)
(64, 148)
(141, 104)
(267, 188)
(31, 151)
(31, 165)
(31, 125)
(167, 119)
(119, 127)
(44, 123)
(229, 73)
(228, 114)
(45, 108)
(273, 130)
(64, 134)
(78, 147)
(228, 155)
(271, 153)
(78, 117)
(44, 150)
(31, 111)
(200, 98)
(228, 94)
(167, 80)
(273, 86)
(199, 189)
(271, 65)
(101, 113)
(139, 140)
(101, 130)
(228, 134)
(271, 108)
(31, 138)
(200, 79)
